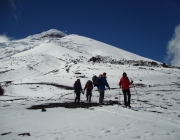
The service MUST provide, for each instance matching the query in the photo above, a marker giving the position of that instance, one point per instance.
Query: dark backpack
(94, 81)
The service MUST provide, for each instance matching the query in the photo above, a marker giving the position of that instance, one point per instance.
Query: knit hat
(124, 74)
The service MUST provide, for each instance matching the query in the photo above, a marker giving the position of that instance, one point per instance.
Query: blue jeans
(101, 96)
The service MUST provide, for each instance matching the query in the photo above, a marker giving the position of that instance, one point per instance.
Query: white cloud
(173, 49)
(14, 7)
(4, 38)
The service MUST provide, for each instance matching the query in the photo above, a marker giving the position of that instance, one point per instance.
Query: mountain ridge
(75, 46)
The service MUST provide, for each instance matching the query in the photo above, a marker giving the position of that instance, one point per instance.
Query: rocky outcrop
(108, 59)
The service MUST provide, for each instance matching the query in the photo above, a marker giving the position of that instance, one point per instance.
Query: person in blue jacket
(101, 84)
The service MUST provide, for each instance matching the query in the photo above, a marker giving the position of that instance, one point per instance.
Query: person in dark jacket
(102, 82)
(124, 84)
(88, 87)
(78, 90)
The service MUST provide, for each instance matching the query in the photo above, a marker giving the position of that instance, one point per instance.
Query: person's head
(124, 74)
(78, 80)
(104, 74)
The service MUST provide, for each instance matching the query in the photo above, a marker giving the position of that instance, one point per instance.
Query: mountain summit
(53, 33)
(58, 44)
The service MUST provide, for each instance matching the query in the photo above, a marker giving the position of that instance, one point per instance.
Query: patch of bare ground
(155, 111)
(139, 85)
(1, 72)
(72, 105)
(13, 99)
(51, 84)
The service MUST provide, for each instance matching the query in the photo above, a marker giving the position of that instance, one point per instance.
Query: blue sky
(143, 27)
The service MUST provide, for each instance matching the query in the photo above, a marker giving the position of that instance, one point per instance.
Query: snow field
(41, 70)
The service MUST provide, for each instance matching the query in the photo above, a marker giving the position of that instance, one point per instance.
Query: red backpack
(89, 84)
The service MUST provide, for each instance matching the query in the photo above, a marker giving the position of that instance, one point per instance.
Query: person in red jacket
(124, 84)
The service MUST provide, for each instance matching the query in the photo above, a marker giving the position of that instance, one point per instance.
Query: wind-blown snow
(28, 78)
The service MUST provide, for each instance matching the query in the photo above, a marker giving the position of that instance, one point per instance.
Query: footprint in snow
(131, 124)
(55, 138)
(149, 134)
(138, 137)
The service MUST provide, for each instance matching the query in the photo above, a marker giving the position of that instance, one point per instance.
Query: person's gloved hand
(82, 92)
(109, 88)
(131, 81)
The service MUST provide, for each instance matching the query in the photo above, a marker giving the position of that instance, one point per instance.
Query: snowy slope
(55, 43)
(42, 70)
(10, 48)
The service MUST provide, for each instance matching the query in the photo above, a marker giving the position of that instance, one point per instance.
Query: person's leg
(86, 95)
(90, 94)
(78, 96)
(129, 97)
(125, 99)
(100, 99)
(101, 96)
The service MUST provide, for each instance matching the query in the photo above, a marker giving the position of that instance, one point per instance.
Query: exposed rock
(43, 110)
(109, 59)
(5, 133)
(24, 134)
(165, 66)
(1, 90)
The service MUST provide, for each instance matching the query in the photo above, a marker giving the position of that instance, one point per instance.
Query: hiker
(124, 84)
(78, 90)
(88, 87)
(101, 83)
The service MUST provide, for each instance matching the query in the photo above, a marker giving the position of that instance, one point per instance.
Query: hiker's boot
(129, 106)
(125, 106)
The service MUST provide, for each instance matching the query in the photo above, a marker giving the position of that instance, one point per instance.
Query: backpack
(89, 84)
(94, 81)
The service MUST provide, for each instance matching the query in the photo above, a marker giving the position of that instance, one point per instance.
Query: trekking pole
(74, 95)
(136, 92)
(119, 98)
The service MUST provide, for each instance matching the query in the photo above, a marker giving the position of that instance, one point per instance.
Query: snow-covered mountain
(42, 68)
(58, 44)
(10, 48)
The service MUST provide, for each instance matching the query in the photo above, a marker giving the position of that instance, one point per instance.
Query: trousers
(77, 99)
(127, 97)
(101, 96)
